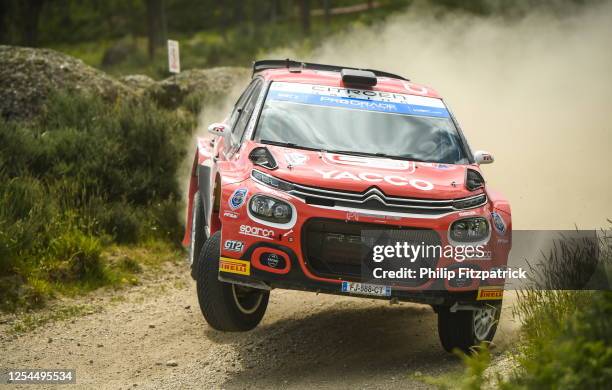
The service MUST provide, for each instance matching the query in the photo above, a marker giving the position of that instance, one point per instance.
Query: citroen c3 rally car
(310, 158)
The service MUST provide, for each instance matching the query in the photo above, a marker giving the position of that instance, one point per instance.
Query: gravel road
(155, 337)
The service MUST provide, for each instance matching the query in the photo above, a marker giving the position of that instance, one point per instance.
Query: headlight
(469, 230)
(270, 209)
(271, 180)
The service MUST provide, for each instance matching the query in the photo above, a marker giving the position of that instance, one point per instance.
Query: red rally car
(311, 159)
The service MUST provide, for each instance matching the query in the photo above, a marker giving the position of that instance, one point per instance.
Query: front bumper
(281, 257)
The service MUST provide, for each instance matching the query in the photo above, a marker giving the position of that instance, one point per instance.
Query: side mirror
(483, 157)
(220, 129)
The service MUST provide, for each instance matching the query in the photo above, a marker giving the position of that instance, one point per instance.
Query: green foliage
(571, 347)
(566, 335)
(217, 35)
(85, 174)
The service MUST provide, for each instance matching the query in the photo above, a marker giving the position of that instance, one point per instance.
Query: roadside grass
(565, 339)
(89, 197)
(124, 266)
(30, 321)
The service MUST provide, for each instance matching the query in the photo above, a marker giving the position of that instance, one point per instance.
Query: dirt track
(305, 340)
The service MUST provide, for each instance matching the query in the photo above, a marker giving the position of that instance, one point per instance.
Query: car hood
(356, 173)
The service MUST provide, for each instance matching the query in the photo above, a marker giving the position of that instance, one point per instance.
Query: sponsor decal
(352, 216)
(234, 266)
(466, 213)
(238, 198)
(395, 180)
(256, 231)
(272, 260)
(353, 98)
(295, 159)
(489, 293)
(289, 235)
(356, 215)
(442, 167)
(498, 223)
(233, 245)
(230, 214)
(414, 88)
(375, 163)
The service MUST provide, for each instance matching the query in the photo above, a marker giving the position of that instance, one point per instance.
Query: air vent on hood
(261, 156)
(473, 180)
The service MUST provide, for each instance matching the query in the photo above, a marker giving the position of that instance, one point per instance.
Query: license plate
(366, 289)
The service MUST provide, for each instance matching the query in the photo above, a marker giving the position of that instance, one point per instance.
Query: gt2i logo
(238, 198)
(234, 246)
(377, 178)
(256, 232)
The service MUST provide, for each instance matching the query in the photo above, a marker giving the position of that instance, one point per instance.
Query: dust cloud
(535, 91)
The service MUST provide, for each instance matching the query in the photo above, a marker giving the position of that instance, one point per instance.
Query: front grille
(334, 248)
(375, 199)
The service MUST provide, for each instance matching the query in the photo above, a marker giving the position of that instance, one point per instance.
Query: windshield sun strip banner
(368, 100)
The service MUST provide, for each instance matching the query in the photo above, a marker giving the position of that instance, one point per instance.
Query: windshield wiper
(381, 155)
(286, 144)
(405, 157)
(348, 152)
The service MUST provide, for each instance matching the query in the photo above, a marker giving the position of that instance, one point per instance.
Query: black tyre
(465, 329)
(226, 306)
(198, 232)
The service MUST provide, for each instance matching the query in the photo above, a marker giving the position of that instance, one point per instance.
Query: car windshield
(358, 121)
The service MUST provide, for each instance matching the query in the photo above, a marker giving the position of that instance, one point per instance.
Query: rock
(197, 83)
(28, 76)
(139, 82)
(151, 326)
(171, 363)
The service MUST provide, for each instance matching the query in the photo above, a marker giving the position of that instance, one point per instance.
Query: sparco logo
(395, 180)
(256, 231)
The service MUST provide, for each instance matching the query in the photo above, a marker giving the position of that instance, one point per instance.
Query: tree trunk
(305, 16)
(327, 11)
(31, 14)
(156, 25)
(275, 11)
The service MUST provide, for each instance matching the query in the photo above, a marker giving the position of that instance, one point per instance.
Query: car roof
(334, 79)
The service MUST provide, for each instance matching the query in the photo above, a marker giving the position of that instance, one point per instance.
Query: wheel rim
(484, 319)
(247, 299)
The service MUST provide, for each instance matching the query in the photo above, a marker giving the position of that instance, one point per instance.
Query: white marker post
(174, 60)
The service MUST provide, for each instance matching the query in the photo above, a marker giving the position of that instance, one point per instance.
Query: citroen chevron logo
(374, 193)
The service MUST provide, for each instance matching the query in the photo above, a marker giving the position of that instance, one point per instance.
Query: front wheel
(199, 233)
(226, 306)
(466, 329)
